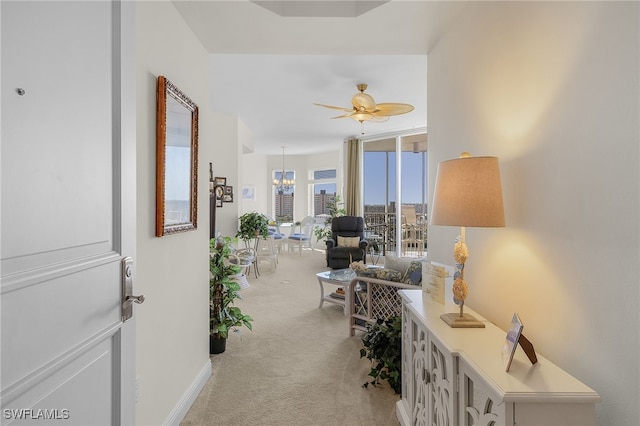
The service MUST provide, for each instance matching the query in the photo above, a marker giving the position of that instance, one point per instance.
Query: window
(283, 196)
(324, 189)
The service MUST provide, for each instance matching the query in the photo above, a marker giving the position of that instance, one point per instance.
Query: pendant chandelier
(283, 184)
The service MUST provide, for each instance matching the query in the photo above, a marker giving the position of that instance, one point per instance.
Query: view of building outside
(322, 198)
(324, 190)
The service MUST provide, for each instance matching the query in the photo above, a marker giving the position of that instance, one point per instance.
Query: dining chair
(302, 238)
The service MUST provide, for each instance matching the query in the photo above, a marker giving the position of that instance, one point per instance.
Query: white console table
(455, 376)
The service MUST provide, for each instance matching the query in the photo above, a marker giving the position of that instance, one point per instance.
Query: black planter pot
(217, 346)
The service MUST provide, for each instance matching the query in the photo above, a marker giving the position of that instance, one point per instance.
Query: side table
(340, 278)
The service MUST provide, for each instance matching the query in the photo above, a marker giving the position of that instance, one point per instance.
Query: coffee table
(340, 278)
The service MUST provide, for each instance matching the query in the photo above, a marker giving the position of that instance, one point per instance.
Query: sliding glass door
(396, 223)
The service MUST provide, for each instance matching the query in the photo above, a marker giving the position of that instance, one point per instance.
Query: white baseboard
(184, 404)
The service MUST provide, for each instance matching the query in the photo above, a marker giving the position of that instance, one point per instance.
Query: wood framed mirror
(176, 160)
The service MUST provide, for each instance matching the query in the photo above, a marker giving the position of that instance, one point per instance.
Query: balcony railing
(381, 233)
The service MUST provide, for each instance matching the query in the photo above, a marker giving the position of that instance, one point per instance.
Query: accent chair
(347, 243)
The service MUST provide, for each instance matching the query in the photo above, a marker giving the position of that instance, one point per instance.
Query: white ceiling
(269, 70)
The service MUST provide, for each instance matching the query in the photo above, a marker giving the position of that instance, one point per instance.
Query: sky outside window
(375, 177)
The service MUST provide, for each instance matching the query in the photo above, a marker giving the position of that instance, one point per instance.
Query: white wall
(172, 327)
(223, 152)
(552, 90)
(254, 172)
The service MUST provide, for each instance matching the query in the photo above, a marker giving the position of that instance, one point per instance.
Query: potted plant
(223, 292)
(253, 225)
(324, 232)
(383, 346)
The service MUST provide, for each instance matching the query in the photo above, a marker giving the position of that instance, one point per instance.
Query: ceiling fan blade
(386, 109)
(335, 107)
(379, 119)
(363, 102)
(343, 116)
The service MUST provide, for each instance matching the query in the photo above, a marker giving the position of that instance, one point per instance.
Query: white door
(67, 211)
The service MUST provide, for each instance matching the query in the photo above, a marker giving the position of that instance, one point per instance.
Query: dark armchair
(351, 246)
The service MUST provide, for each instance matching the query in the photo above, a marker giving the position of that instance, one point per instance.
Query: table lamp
(467, 192)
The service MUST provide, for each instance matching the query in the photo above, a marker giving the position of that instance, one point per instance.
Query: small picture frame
(228, 198)
(511, 341)
(220, 181)
(249, 193)
(219, 192)
(228, 190)
(218, 202)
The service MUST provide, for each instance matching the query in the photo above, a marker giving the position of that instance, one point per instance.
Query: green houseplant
(223, 292)
(383, 346)
(324, 232)
(253, 225)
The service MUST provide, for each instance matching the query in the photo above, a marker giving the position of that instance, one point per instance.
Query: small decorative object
(219, 192)
(227, 198)
(358, 266)
(467, 192)
(434, 284)
(460, 287)
(220, 181)
(515, 337)
(228, 190)
(219, 202)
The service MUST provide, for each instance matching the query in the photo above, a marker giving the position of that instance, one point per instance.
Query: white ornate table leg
(347, 298)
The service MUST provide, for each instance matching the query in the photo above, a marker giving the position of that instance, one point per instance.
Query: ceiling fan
(366, 109)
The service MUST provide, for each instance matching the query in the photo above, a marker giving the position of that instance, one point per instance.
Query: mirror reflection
(177, 164)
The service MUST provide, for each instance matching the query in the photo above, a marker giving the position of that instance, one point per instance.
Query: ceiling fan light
(361, 116)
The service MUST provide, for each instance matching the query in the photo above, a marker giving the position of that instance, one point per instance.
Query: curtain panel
(352, 183)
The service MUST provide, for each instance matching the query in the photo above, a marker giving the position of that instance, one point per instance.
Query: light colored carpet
(298, 366)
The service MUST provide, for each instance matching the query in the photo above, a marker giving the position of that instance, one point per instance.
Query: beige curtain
(352, 180)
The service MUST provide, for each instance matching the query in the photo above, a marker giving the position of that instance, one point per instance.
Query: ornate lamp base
(455, 320)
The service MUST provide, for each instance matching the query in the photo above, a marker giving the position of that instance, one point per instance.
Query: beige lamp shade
(468, 192)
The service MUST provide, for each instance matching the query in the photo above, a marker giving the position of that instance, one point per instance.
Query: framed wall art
(249, 193)
(176, 160)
